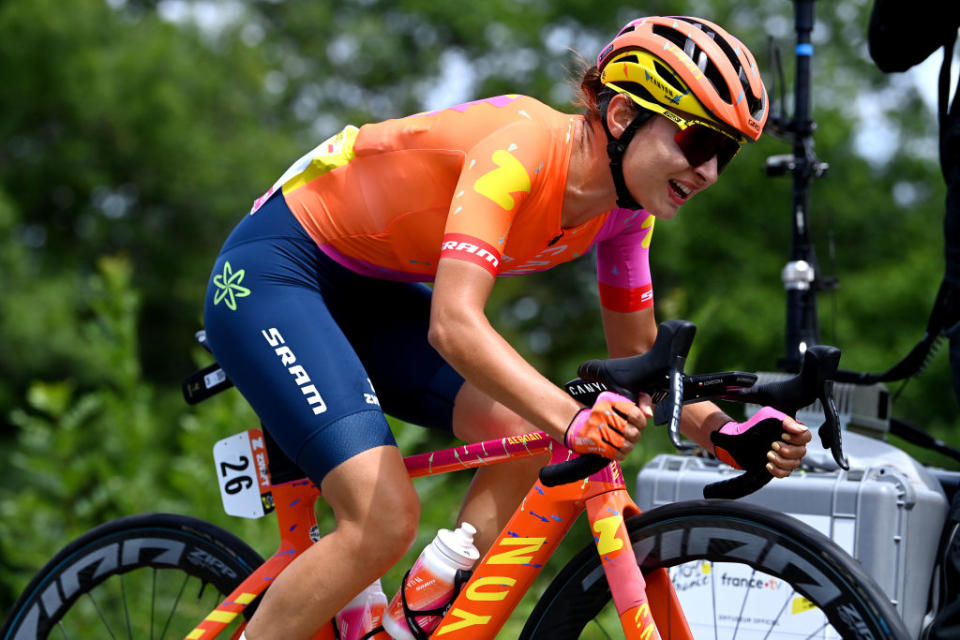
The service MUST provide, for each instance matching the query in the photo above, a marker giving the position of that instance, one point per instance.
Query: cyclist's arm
(460, 331)
(634, 332)
(499, 174)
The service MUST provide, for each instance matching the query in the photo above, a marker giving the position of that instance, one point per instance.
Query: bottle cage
(411, 614)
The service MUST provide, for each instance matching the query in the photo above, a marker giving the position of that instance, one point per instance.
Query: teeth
(680, 188)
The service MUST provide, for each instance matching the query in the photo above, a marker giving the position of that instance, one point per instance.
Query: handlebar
(813, 382)
(659, 373)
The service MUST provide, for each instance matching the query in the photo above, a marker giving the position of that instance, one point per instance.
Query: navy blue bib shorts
(318, 351)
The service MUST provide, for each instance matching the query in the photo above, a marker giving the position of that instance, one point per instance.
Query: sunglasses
(699, 142)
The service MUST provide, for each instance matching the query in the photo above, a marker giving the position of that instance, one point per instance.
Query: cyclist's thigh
(478, 417)
(270, 329)
(388, 323)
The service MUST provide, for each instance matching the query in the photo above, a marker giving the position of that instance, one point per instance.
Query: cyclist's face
(658, 173)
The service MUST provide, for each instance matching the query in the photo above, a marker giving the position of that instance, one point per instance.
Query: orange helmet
(690, 67)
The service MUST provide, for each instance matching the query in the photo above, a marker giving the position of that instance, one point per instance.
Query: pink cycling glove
(600, 429)
(744, 445)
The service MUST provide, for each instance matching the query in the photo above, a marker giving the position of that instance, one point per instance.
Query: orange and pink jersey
(482, 182)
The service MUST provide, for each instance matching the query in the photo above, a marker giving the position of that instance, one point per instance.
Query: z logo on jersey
(509, 176)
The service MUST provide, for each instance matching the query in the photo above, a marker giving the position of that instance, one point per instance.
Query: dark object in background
(903, 34)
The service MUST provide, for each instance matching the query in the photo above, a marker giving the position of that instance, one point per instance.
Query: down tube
(295, 517)
(512, 563)
(648, 609)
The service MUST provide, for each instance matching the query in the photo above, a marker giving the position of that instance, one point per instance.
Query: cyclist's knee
(386, 533)
(394, 518)
(374, 502)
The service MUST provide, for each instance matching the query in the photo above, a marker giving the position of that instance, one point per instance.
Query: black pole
(800, 274)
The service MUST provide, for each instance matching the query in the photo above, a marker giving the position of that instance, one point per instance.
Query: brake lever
(829, 431)
(669, 409)
(814, 382)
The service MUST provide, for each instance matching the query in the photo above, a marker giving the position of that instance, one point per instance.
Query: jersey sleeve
(498, 175)
(623, 261)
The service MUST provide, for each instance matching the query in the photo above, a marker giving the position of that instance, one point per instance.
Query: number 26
(239, 483)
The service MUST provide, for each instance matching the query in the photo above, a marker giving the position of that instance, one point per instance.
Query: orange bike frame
(508, 569)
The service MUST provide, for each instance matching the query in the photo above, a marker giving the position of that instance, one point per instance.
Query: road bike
(176, 576)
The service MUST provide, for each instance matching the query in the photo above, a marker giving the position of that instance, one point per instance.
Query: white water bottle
(363, 614)
(430, 583)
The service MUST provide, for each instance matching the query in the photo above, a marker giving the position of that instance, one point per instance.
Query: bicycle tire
(732, 538)
(161, 556)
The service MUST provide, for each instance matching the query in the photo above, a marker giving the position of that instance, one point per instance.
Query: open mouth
(681, 191)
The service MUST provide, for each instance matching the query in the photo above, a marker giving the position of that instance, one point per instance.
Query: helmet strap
(616, 148)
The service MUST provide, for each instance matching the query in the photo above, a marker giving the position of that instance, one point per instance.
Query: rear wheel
(740, 572)
(149, 576)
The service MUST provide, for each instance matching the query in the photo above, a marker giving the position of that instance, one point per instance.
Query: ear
(620, 113)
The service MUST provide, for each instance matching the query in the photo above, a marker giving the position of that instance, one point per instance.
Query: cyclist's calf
(377, 512)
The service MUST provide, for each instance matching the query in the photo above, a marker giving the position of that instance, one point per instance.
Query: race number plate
(243, 474)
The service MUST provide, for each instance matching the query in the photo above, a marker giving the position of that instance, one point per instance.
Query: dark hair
(590, 94)
(593, 96)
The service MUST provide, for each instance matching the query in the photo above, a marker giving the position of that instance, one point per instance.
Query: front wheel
(740, 571)
(150, 576)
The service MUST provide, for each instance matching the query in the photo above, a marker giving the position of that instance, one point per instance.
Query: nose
(708, 171)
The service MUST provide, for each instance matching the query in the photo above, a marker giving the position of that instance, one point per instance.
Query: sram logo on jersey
(464, 247)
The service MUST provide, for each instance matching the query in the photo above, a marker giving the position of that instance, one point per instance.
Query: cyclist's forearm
(481, 355)
(699, 420)
(461, 333)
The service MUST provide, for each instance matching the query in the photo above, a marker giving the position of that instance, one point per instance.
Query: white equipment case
(887, 511)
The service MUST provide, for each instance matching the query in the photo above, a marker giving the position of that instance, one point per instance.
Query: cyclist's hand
(770, 439)
(610, 427)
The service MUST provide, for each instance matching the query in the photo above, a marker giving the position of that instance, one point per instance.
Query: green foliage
(59, 487)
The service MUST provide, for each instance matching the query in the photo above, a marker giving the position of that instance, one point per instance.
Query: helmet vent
(670, 34)
(629, 57)
(716, 78)
(638, 90)
(669, 76)
(701, 59)
(754, 104)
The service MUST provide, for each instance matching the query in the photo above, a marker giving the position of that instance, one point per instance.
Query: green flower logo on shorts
(229, 287)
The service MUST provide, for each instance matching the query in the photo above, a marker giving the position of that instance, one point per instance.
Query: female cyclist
(317, 311)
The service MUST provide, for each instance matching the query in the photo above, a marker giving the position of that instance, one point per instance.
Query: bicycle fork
(643, 605)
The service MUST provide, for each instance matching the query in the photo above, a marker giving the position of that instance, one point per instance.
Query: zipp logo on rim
(93, 567)
(852, 618)
(725, 545)
(215, 565)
